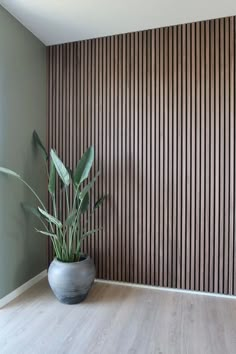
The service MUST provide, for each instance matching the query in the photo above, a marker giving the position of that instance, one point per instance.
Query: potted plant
(71, 273)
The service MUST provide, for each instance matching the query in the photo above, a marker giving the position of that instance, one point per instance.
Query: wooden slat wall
(159, 107)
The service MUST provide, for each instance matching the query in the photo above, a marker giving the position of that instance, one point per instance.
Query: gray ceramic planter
(71, 282)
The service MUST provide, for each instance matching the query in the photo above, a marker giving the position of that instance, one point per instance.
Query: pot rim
(69, 263)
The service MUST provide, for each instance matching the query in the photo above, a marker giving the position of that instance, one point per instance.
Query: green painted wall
(22, 109)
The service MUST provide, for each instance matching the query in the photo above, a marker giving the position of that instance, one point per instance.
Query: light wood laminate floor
(118, 319)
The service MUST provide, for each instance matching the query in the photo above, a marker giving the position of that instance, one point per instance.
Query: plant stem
(35, 194)
(67, 201)
(37, 197)
(76, 192)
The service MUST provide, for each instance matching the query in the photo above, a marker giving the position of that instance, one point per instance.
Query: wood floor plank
(118, 319)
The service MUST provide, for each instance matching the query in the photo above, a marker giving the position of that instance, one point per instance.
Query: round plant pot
(71, 282)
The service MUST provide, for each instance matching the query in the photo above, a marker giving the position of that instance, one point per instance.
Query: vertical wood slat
(193, 156)
(232, 154)
(179, 157)
(188, 157)
(175, 157)
(212, 154)
(156, 152)
(161, 165)
(159, 108)
(136, 160)
(131, 157)
(139, 160)
(153, 153)
(222, 122)
(197, 160)
(217, 158)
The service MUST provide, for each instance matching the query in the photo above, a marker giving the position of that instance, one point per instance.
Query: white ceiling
(60, 21)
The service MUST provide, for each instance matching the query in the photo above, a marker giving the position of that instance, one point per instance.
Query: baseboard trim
(188, 292)
(17, 292)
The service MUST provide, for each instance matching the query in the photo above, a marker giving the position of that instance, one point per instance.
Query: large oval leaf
(14, 174)
(84, 203)
(31, 209)
(84, 166)
(70, 174)
(9, 172)
(61, 169)
(40, 145)
(100, 201)
(52, 179)
(47, 233)
(90, 233)
(50, 218)
(71, 218)
(88, 186)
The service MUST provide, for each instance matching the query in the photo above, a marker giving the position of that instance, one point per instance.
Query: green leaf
(88, 187)
(46, 233)
(78, 248)
(70, 172)
(71, 217)
(52, 179)
(32, 210)
(71, 176)
(84, 166)
(61, 169)
(14, 174)
(84, 203)
(90, 233)
(50, 218)
(9, 172)
(100, 201)
(39, 143)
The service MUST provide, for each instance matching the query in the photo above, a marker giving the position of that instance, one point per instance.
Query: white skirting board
(141, 286)
(15, 293)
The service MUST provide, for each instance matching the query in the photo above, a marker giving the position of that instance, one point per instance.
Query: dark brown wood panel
(159, 108)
